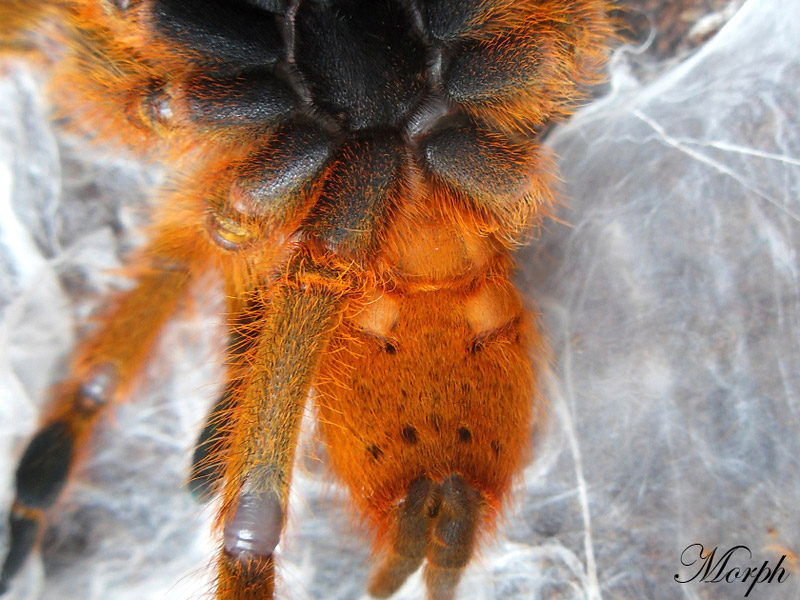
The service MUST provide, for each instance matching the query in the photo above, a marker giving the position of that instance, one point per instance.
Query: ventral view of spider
(357, 174)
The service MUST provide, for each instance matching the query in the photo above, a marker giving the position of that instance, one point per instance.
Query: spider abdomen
(429, 374)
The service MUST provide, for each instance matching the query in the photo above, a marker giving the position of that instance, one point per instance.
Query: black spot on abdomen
(409, 435)
(375, 451)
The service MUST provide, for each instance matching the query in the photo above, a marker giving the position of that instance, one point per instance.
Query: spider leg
(104, 367)
(18, 17)
(211, 448)
(298, 316)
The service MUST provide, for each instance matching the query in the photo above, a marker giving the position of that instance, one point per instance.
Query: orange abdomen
(437, 396)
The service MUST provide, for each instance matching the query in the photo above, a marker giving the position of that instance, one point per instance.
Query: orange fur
(423, 361)
(363, 415)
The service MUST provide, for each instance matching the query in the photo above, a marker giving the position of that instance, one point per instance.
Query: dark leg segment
(40, 477)
(24, 529)
(42, 471)
(104, 367)
(207, 461)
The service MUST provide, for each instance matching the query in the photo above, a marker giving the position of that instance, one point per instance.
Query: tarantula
(358, 173)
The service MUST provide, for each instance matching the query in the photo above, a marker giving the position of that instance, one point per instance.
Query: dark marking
(255, 527)
(42, 471)
(464, 435)
(495, 447)
(375, 451)
(436, 422)
(207, 460)
(409, 435)
(23, 533)
(389, 348)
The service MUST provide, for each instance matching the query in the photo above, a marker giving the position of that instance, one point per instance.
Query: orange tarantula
(358, 172)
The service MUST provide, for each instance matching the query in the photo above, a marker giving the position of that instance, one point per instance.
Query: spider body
(358, 172)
